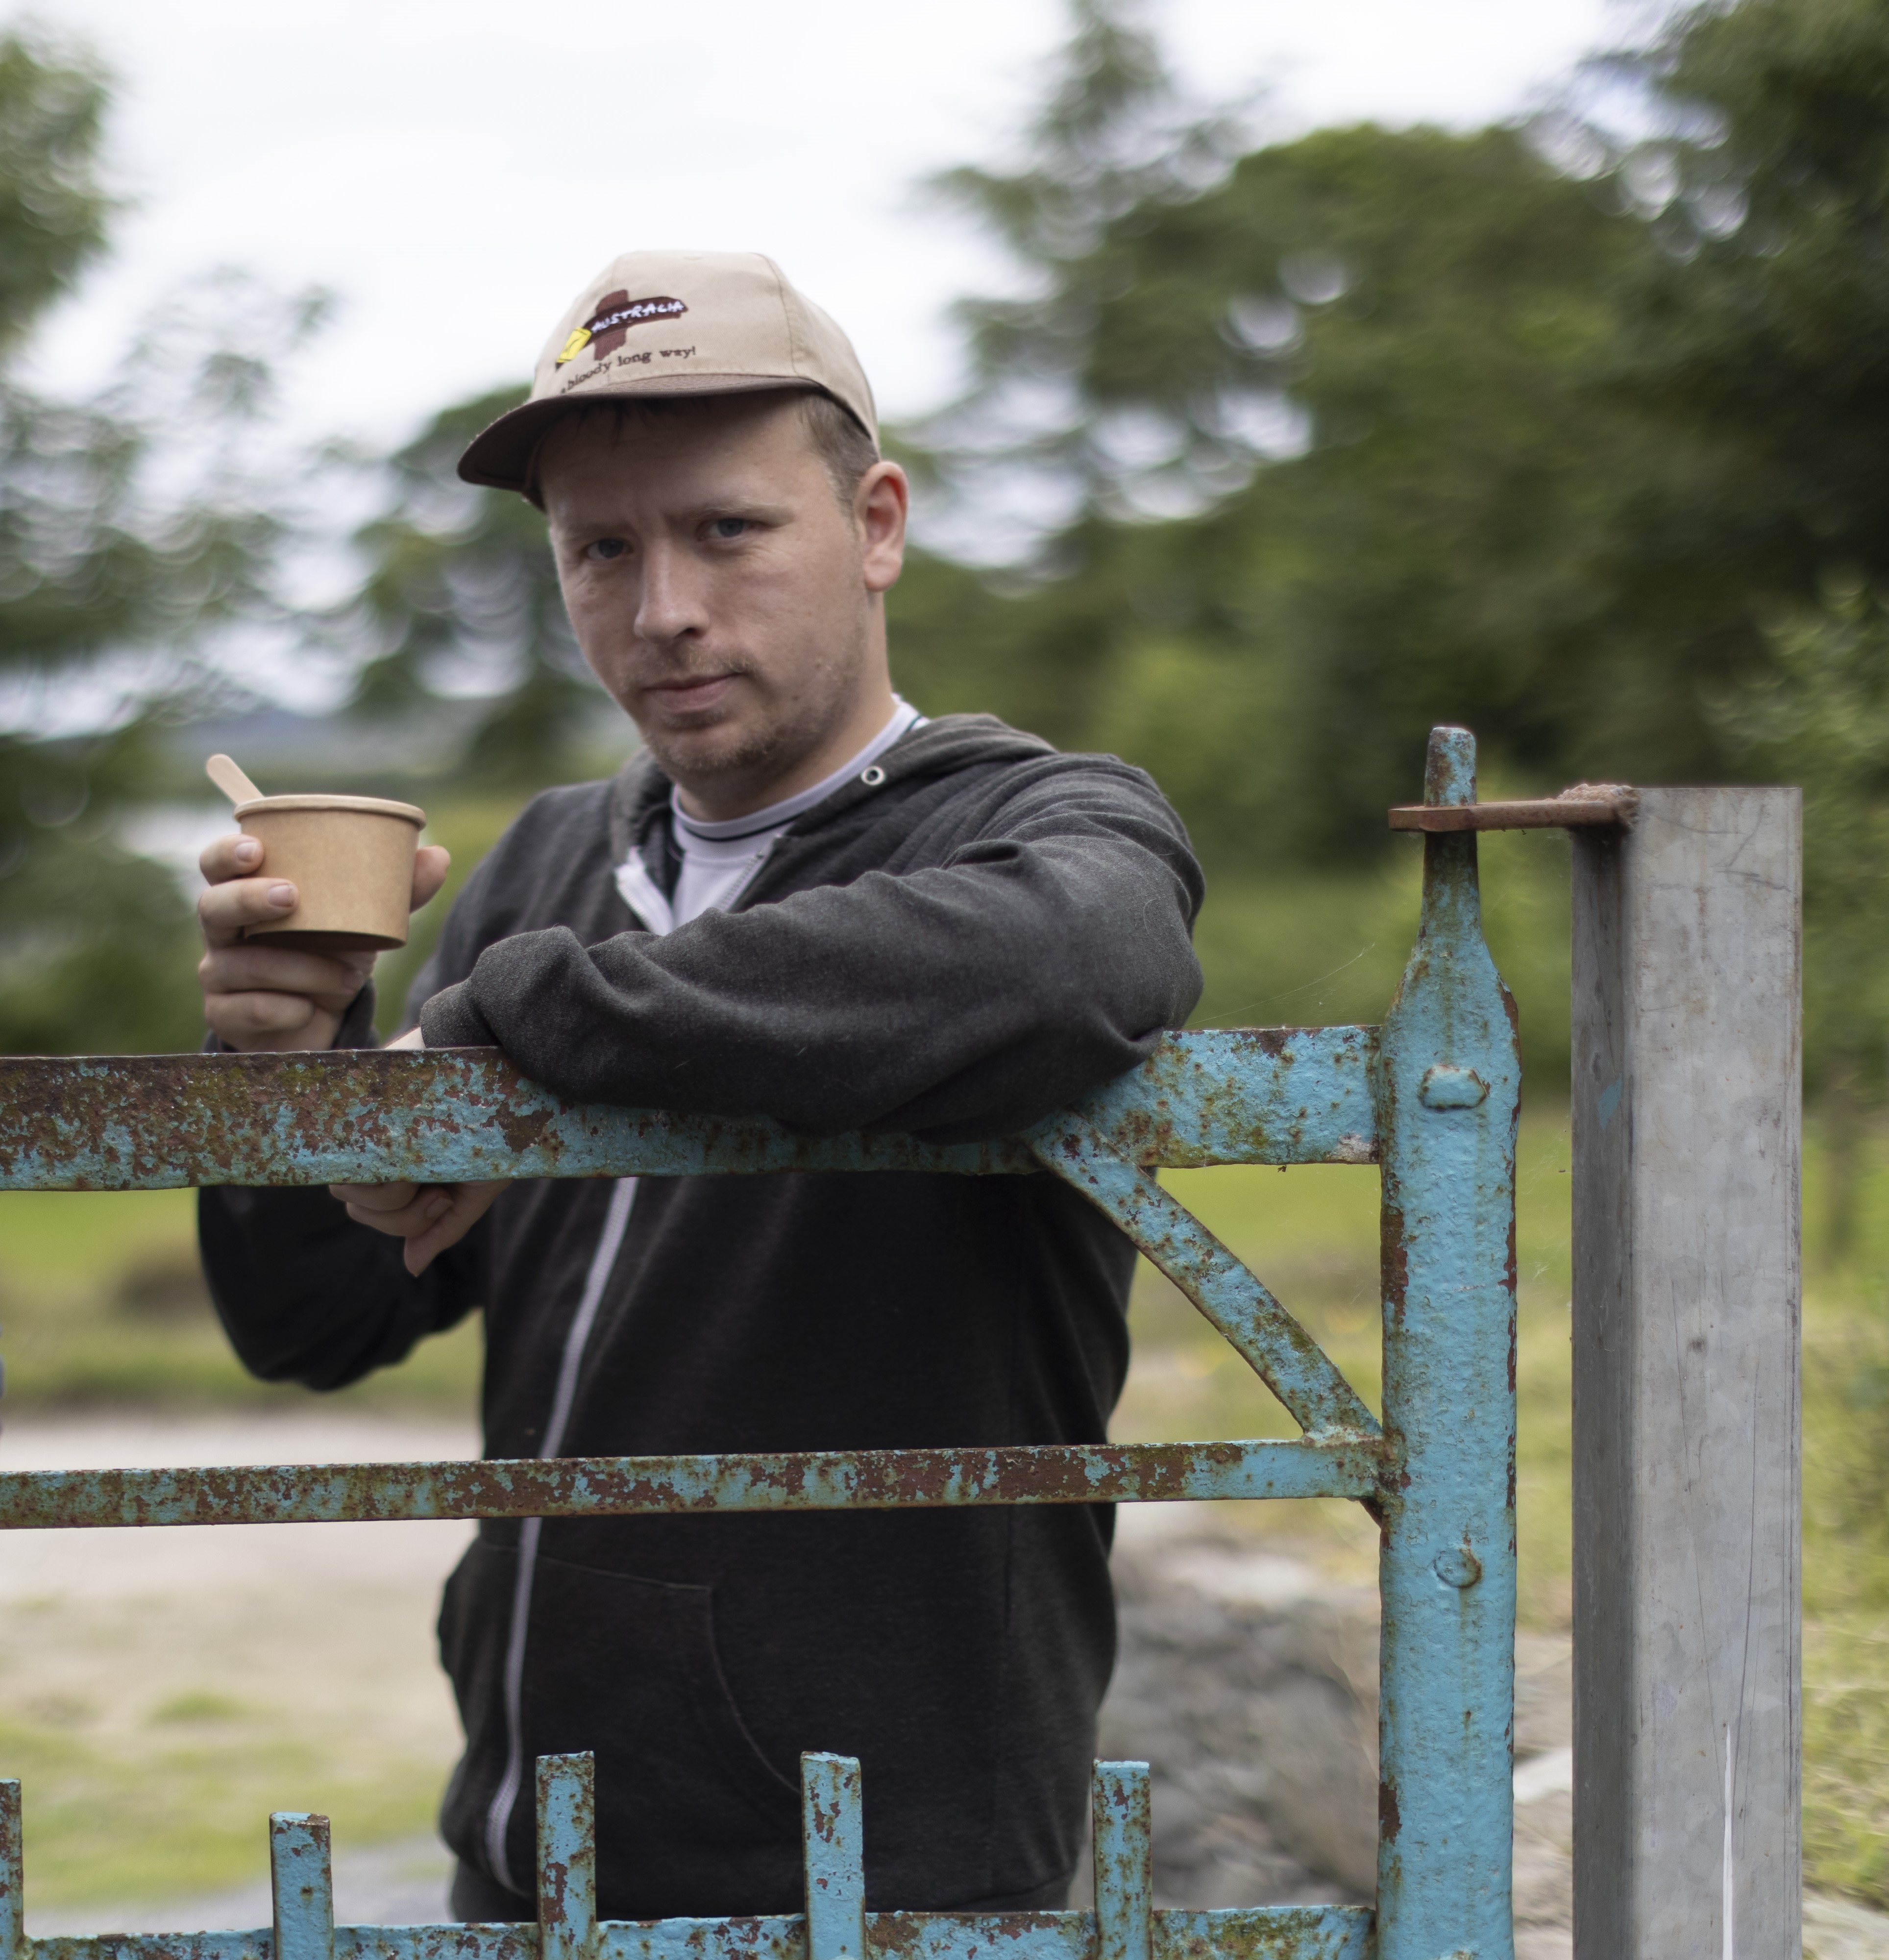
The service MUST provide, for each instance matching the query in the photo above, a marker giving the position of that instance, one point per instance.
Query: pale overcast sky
(455, 169)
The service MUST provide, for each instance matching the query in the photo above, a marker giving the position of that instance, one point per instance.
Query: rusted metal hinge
(1586, 805)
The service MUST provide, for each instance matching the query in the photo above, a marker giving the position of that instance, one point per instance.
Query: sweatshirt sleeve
(307, 1295)
(1044, 956)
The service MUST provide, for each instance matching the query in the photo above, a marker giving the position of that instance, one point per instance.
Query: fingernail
(283, 895)
(248, 852)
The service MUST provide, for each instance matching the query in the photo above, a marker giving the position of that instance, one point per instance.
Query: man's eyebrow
(740, 505)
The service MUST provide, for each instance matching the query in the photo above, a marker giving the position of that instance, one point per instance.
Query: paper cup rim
(362, 806)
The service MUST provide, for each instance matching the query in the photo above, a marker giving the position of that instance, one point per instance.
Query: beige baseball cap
(674, 323)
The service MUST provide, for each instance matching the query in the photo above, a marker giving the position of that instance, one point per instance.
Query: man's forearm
(964, 998)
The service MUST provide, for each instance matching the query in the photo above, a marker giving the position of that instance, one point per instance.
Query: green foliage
(460, 587)
(1421, 315)
(108, 576)
(1818, 714)
(52, 210)
(1341, 437)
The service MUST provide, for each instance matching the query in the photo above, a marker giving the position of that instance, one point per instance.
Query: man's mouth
(689, 692)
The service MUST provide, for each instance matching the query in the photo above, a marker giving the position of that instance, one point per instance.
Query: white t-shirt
(720, 860)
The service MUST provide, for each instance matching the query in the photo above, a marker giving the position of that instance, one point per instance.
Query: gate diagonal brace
(1232, 1297)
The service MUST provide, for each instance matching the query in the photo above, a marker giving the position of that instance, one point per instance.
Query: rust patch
(1389, 1820)
(1393, 1260)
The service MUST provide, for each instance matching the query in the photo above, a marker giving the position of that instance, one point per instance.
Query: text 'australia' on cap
(675, 323)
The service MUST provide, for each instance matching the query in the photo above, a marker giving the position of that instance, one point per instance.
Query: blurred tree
(1328, 436)
(1818, 714)
(1303, 449)
(108, 578)
(460, 594)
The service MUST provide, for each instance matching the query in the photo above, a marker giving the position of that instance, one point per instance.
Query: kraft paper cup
(351, 861)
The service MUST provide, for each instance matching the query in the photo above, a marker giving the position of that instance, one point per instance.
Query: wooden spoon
(231, 780)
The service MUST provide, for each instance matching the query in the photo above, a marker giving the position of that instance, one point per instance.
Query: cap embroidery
(617, 313)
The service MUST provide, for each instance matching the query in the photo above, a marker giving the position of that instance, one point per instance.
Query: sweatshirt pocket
(692, 1820)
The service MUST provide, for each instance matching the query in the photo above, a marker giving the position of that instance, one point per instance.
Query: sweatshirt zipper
(498, 1815)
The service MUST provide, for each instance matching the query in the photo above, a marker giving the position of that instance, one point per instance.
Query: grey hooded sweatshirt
(976, 932)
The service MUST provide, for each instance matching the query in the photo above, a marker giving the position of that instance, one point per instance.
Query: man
(799, 899)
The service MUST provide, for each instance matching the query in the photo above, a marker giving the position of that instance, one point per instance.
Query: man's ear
(880, 506)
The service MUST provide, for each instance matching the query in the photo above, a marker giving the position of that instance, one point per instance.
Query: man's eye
(604, 549)
(729, 527)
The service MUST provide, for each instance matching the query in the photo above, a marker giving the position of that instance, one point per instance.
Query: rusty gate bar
(833, 1839)
(1449, 1093)
(1433, 1097)
(616, 1487)
(445, 1116)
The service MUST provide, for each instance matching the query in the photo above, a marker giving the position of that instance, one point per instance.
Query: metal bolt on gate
(1430, 1098)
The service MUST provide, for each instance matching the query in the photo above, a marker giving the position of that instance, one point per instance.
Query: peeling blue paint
(1431, 1098)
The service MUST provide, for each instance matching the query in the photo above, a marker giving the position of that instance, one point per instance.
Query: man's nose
(673, 599)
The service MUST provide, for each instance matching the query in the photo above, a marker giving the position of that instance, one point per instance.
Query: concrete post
(1686, 1134)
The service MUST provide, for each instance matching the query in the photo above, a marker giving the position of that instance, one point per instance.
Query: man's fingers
(430, 863)
(244, 1019)
(429, 1217)
(380, 1196)
(232, 855)
(245, 967)
(470, 1204)
(224, 909)
(409, 1220)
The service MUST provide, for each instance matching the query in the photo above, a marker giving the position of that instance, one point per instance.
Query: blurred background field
(1273, 446)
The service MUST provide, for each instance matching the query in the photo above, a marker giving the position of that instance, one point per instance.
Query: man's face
(715, 584)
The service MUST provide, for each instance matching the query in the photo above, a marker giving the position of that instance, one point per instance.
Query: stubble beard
(767, 750)
(756, 754)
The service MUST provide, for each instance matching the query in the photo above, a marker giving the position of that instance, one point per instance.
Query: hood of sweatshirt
(640, 794)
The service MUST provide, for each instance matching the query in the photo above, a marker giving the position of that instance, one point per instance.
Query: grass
(101, 1302)
(181, 1808)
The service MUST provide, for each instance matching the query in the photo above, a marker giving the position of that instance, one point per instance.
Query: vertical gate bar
(567, 1857)
(12, 1873)
(833, 1842)
(1686, 1117)
(301, 1880)
(1120, 1803)
(1448, 1091)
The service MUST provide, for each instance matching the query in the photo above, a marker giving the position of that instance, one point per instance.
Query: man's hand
(267, 997)
(429, 1217)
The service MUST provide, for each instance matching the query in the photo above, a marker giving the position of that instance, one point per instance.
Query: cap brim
(499, 456)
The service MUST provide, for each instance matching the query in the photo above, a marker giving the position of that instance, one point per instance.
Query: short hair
(837, 437)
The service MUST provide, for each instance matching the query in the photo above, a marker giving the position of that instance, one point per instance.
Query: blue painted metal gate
(1430, 1099)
